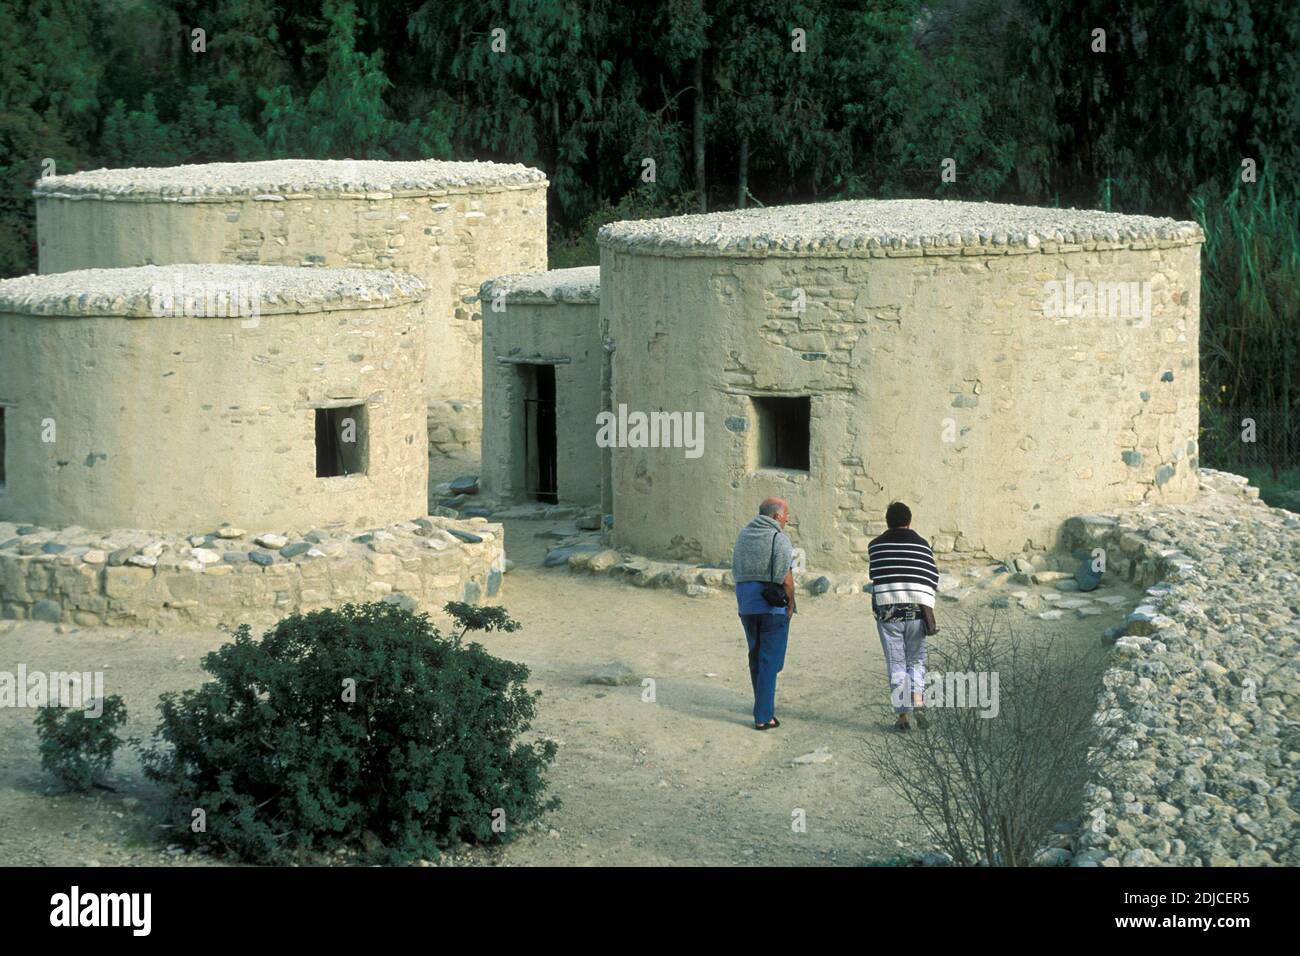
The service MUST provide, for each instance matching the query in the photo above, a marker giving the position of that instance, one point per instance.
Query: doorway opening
(539, 432)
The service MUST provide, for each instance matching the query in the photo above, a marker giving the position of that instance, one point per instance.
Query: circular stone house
(184, 397)
(999, 368)
(452, 224)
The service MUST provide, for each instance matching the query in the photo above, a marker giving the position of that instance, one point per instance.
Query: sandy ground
(681, 780)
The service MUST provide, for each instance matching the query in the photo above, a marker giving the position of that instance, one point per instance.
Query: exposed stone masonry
(1203, 695)
(228, 575)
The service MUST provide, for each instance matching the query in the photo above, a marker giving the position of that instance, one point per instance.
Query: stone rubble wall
(497, 233)
(229, 576)
(934, 376)
(1203, 696)
(586, 548)
(455, 427)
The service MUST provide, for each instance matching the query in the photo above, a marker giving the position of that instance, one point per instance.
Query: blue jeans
(767, 635)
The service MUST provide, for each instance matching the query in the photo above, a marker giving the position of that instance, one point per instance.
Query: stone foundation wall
(229, 576)
(591, 551)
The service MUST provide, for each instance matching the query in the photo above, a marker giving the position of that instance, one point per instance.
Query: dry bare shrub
(990, 788)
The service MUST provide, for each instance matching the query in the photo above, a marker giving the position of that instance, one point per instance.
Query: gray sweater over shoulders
(751, 559)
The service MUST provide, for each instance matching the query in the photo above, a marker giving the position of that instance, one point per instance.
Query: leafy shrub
(481, 617)
(356, 724)
(76, 747)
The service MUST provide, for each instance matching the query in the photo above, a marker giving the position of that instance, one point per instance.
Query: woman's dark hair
(897, 515)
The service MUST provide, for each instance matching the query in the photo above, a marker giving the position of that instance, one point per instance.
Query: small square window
(341, 441)
(783, 432)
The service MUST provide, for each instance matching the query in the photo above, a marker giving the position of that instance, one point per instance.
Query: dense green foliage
(360, 725)
(76, 747)
(1250, 331)
(876, 97)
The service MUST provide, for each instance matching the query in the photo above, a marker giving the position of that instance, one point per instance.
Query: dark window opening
(784, 432)
(539, 432)
(341, 441)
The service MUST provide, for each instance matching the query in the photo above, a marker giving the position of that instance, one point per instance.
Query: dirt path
(680, 780)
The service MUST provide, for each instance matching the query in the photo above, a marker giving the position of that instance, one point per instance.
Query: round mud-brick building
(184, 397)
(453, 224)
(998, 368)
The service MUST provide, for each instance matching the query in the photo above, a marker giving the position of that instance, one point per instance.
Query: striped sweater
(902, 568)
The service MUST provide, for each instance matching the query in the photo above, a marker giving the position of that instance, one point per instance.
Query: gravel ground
(1203, 693)
(682, 780)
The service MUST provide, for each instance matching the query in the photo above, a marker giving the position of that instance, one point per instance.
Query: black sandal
(772, 726)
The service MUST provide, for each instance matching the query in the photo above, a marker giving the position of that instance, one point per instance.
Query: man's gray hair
(770, 508)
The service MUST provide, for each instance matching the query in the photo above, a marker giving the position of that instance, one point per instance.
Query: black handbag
(927, 615)
(774, 593)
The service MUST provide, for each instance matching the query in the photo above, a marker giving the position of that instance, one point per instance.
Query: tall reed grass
(1250, 321)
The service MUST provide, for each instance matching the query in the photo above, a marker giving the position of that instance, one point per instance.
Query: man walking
(762, 564)
(904, 579)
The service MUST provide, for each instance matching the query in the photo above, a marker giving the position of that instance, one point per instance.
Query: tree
(345, 115)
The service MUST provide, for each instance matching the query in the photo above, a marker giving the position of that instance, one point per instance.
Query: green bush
(76, 747)
(360, 724)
